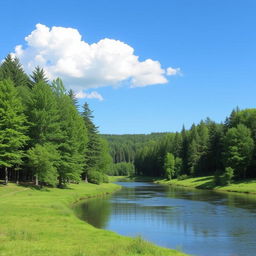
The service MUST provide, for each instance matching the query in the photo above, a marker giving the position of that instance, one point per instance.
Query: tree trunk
(37, 183)
(60, 182)
(17, 177)
(6, 176)
(85, 179)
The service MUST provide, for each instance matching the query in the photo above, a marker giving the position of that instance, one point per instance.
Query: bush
(183, 177)
(105, 178)
(228, 176)
(97, 177)
(223, 178)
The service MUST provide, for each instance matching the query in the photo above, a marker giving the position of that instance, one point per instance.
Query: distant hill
(124, 147)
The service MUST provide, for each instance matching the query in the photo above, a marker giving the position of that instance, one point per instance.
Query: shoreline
(247, 186)
(42, 222)
(206, 183)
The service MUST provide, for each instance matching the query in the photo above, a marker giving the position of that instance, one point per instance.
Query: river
(198, 222)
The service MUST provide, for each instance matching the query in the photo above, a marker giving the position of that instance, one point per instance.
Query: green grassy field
(245, 186)
(41, 222)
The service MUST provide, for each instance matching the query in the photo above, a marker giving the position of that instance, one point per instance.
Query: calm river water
(198, 222)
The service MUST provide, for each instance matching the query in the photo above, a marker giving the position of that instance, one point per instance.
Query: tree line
(123, 148)
(226, 150)
(43, 136)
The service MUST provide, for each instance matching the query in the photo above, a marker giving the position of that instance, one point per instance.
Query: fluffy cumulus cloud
(63, 53)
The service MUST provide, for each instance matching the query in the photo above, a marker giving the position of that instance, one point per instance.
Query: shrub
(227, 176)
(95, 177)
(105, 178)
(183, 177)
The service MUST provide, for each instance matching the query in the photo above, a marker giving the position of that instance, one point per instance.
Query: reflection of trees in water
(133, 212)
(244, 201)
(95, 211)
(215, 214)
(194, 213)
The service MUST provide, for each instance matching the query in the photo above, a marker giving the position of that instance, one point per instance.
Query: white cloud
(173, 71)
(92, 95)
(63, 53)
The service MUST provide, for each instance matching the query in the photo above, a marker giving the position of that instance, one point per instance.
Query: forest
(226, 150)
(44, 139)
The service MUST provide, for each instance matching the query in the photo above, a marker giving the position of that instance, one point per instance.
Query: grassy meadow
(41, 222)
(206, 182)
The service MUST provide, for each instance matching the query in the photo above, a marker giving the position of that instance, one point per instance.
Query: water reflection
(200, 222)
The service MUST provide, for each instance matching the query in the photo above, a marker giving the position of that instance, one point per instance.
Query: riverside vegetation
(221, 155)
(46, 142)
(41, 222)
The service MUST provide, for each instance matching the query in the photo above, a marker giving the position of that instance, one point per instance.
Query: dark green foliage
(228, 175)
(73, 139)
(123, 148)
(12, 127)
(205, 149)
(43, 116)
(93, 152)
(121, 169)
(42, 134)
(97, 177)
(42, 160)
(12, 69)
(38, 75)
(239, 147)
(178, 166)
(72, 96)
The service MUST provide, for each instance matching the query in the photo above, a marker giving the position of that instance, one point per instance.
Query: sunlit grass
(244, 186)
(41, 222)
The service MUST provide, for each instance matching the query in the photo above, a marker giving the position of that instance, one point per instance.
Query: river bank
(41, 222)
(206, 182)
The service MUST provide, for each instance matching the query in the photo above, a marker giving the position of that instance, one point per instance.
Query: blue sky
(212, 42)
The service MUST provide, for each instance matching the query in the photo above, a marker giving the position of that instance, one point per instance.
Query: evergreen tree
(38, 75)
(193, 157)
(43, 115)
(94, 146)
(12, 69)
(72, 96)
(73, 141)
(12, 127)
(239, 147)
(178, 166)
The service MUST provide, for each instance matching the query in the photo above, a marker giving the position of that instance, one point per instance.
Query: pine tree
(94, 145)
(12, 127)
(38, 75)
(72, 96)
(12, 69)
(239, 148)
(43, 115)
(72, 146)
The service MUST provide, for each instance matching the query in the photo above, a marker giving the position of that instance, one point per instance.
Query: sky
(143, 66)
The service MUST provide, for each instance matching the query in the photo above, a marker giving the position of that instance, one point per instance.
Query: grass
(118, 178)
(206, 182)
(42, 223)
